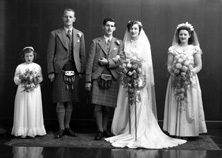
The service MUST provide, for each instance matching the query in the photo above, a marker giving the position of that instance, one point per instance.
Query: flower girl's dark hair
(28, 50)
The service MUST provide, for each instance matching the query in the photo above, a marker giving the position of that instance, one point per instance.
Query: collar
(108, 38)
(66, 29)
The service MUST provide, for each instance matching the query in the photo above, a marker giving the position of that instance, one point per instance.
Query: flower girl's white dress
(28, 115)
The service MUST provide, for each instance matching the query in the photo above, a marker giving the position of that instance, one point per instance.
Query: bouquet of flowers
(181, 69)
(29, 80)
(132, 77)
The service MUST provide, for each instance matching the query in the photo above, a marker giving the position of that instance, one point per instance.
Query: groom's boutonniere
(117, 42)
(79, 34)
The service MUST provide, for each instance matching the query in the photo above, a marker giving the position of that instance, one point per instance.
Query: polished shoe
(69, 132)
(99, 135)
(107, 134)
(60, 134)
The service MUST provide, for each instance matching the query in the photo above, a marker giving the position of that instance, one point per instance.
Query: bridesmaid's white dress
(189, 120)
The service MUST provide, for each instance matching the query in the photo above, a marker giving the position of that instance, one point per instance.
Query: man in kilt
(66, 64)
(102, 77)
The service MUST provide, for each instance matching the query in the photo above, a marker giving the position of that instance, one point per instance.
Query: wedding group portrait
(110, 79)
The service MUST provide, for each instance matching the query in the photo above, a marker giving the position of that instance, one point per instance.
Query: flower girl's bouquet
(182, 72)
(29, 80)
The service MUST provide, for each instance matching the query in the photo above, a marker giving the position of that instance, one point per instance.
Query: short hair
(133, 22)
(108, 19)
(28, 50)
(191, 39)
(68, 10)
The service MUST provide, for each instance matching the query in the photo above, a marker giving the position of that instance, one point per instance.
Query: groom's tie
(108, 45)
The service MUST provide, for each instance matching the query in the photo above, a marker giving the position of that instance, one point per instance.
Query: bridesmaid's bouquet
(131, 77)
(181, 79)
(29, 80)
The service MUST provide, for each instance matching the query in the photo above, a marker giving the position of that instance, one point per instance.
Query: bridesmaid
(184, 114)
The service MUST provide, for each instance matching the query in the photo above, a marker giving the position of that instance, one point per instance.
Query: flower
(131, 77)
(79, 34)
(186, 25)
(117, 42)
(29, 80)
(181, 80)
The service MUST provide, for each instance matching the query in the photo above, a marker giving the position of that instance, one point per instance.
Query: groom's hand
(103, 61)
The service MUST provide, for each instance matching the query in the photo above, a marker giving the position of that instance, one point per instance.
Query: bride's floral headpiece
(188, 25)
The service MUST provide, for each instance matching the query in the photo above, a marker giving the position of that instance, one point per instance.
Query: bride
(148, 133)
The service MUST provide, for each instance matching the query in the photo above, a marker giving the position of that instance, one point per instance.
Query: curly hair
(191, 39)
(133, 22)
(28, 50)
(108, 19)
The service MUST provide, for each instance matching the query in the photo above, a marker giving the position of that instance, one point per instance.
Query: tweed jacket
(97, 50)
(57, 52)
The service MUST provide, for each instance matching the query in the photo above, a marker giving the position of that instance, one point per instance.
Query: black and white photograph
(110, 78)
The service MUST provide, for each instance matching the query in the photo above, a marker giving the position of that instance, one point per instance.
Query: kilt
(105, 97)
(59, 91)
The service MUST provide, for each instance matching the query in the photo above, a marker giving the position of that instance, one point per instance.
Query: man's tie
(70, 35)
(108, 45)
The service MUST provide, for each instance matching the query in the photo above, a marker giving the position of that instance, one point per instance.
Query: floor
(54, 152)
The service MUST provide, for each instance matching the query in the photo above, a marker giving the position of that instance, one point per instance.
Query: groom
(101, 75)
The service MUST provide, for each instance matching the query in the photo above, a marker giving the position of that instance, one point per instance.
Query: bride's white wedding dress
(149, 135)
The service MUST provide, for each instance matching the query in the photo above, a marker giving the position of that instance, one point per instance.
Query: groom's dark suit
(97, 50)
(103, 98)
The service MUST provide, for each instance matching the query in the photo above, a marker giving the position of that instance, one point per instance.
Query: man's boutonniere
(79, 34)
(117, 42)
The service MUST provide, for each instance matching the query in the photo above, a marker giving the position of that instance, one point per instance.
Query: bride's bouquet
(29, 80)
(132, 77)
(181, 79)
(133, 80)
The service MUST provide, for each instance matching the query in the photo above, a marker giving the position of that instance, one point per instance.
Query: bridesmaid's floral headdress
(188, 25)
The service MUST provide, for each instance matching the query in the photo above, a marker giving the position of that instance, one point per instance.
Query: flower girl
(28, 115)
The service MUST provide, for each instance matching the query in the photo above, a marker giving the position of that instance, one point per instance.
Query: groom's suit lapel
(102, 44)
(112, 44)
